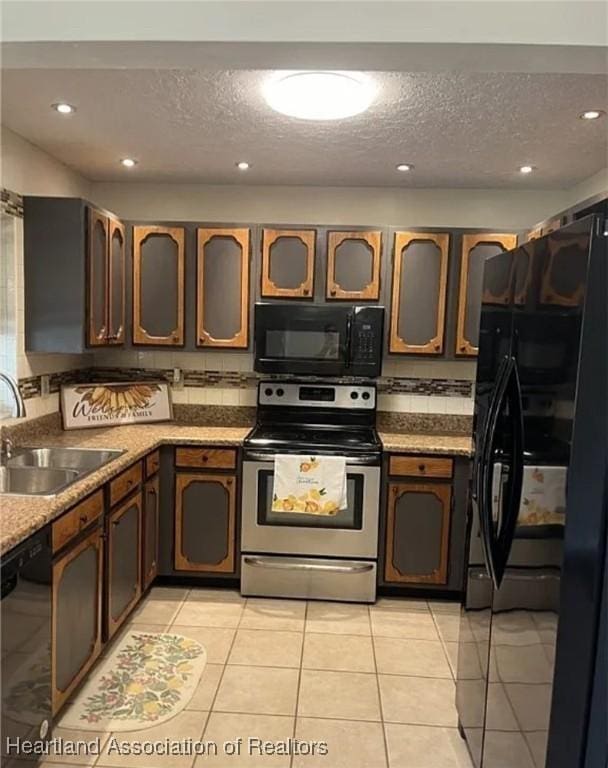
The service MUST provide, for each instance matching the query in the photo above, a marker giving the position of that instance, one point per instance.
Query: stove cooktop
(309, 438)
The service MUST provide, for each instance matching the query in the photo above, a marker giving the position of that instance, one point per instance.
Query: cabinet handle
(229, 481)
(83, 519)
(422, 467)
(204, 459)
(332, 292)
(305, 291)
(129, 482)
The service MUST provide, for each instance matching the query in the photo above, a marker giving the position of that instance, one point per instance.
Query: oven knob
(365, 395)
(268, 391)
(280, 392)
(354, 395)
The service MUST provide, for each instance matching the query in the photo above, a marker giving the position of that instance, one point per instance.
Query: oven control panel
(290, 394)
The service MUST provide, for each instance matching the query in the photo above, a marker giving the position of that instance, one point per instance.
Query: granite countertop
(21, 516)
(411, 442)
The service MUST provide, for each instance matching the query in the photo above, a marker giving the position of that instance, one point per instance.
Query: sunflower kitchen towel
(310, 485)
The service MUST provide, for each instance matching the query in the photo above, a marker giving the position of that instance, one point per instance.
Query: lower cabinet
(124, 561)
(205, 522)
(77, 601)
(149, 549)
(418, 532)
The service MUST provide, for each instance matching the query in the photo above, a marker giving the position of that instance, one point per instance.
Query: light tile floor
(374, 682)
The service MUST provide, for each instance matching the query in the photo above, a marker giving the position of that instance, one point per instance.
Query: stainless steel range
(305, 555)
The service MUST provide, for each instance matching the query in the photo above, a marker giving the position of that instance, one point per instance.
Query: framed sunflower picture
(107, 405)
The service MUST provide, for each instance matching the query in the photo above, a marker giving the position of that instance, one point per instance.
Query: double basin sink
(47, 471)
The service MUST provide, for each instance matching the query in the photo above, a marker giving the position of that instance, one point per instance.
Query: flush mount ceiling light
(592, 114)
(319, 95)
(243, 165)
(128, 162)
(63, 108)
(404, 167)
(526, 168)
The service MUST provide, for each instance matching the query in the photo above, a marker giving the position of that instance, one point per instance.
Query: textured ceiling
(459, 130)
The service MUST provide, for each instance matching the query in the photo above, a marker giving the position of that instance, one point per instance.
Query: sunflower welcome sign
(106, 405)
(309, 485)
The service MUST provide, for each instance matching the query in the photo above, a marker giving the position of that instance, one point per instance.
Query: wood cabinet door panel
(158, 285)
(97, 277)
(206, 458)
(124, 561)
(418, 529)
(223, 288)
(288, 260)
(150, 532)
(420, 271)
(421, 466)
(76, 629)
(496, 288)
(78, 518)
(353, 265)
(205, 511)
(116, 288)
(125, 483)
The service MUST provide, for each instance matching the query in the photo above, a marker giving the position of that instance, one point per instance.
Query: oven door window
(350, 518)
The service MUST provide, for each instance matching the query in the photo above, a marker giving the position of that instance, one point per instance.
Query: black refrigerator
(531, 689)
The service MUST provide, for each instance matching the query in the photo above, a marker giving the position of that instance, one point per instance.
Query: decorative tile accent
(32, 385)
(11, 203)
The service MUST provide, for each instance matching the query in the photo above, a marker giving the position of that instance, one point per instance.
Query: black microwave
(319, 339)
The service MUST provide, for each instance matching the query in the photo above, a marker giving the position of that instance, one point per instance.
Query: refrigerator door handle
(515, 479)
(483, 497)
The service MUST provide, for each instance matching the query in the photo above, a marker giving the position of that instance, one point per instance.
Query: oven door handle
(283, 565)
(363, 459)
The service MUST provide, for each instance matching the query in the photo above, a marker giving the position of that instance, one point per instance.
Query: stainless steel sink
(46, 471)
(80, 459)
(34, 481)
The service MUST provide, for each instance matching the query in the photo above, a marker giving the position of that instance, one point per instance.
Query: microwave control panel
(366, 343)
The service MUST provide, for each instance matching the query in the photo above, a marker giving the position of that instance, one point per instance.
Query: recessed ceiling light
(319, 95)
(405, 167)
(128, 162)
(592, 114)
(243, 166)
(526, 169)
(63, 108)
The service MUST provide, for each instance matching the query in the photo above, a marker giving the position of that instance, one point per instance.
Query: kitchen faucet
(6, 445)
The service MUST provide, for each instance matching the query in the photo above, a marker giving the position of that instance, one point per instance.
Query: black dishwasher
(25, 638)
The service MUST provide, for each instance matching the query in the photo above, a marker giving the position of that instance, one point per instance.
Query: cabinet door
(150, 532)
(124, 561)
(476, 248)
(418, 533)
(116, 286)
(97, 278)
(222, 317)
(76, 634)
(420, 272)
(205, 522)
(353, 265)
(158, 285)
(288, 262)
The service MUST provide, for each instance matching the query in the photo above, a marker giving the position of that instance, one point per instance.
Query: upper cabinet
(158, 285)
(476, 248)
(222, 285)
(74, 276)
(353, 265)
(288, 263)
(418, 293)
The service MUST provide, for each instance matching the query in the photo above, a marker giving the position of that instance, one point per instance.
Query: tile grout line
(384, 739)
(295, 718)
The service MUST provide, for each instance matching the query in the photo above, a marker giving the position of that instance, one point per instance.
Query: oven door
(311, 340)
(353, 532)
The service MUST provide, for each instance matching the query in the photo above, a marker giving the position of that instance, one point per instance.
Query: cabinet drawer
(214, 458)
(125, 483)
(76, 520)
(420, 466)
(152, 463)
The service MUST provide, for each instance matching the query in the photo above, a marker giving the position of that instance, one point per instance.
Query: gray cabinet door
(124, 561)
(476, 248)
(158, 285)
(418, 532)
(353, 265)
(97, 278)
(205, 529)
(150, 532)
(418, 294)
(76, 634)
(288, 263)
(116, 282)
(222, 285)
